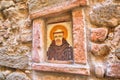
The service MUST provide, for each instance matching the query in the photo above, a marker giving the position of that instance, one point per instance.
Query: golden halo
(56, 27)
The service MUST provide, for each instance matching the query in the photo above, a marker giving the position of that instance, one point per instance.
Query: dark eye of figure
(60, 36)
(55, 36)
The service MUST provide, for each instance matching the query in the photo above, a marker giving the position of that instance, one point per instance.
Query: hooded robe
(63, 52)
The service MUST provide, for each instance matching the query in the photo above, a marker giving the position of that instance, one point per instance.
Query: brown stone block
(17, 76)
(26, 37)
(116, 37)
(117, 53)
(13, 61)
(78, 36)
(2, 76)
(105, 14)
(7, 4)
(99, 71)
(98, 34)
(99, 49)
(113, 70)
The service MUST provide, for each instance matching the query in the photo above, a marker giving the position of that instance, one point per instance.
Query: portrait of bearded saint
(59, 48)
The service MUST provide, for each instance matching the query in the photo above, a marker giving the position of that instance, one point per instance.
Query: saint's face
(58, 36)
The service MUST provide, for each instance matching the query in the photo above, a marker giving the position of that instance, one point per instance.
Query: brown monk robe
(63, 52)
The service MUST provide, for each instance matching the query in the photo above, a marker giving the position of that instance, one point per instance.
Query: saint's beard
(58, 42)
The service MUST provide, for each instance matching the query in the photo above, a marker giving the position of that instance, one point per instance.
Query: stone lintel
(57, 9)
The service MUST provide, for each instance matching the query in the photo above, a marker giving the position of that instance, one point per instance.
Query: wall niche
(59, 42)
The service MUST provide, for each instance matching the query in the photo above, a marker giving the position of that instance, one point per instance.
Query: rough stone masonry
(102, 29)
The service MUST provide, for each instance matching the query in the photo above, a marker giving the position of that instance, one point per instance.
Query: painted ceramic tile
(59, 42)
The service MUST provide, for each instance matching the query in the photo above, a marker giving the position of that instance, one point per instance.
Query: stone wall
(15, 38)
(102, 33)
(105, 37)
